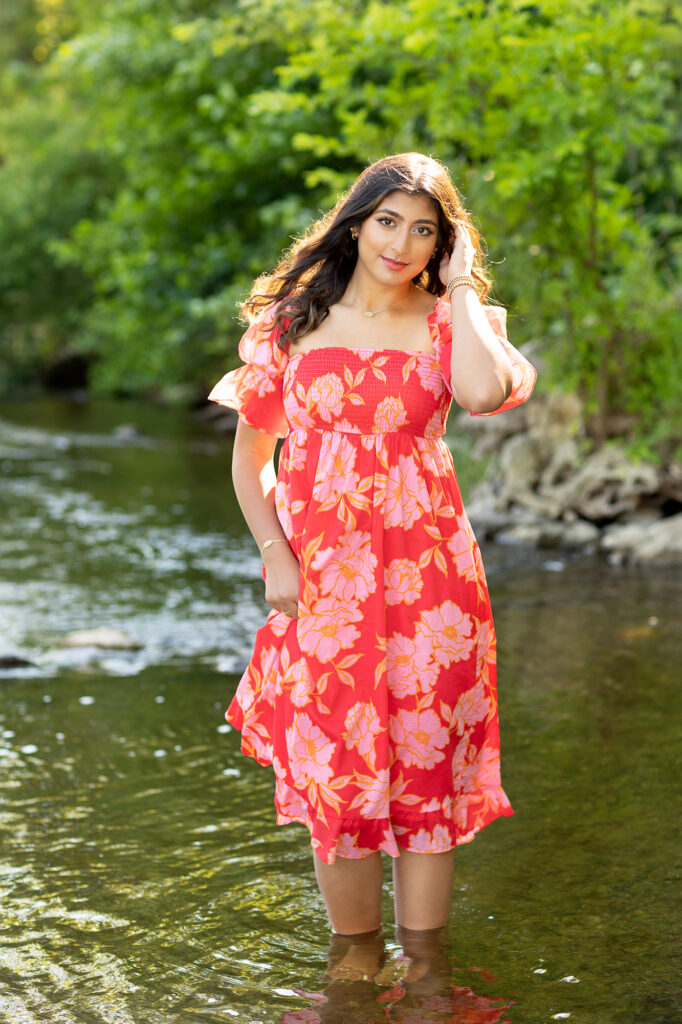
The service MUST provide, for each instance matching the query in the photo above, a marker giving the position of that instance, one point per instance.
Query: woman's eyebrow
(420, 220)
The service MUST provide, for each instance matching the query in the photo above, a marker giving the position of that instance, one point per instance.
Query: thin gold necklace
(369, 312)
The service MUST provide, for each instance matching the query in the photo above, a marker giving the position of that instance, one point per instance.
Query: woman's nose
(399, 243)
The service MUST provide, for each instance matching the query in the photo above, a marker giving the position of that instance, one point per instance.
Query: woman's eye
(423, 230)
(385, 220)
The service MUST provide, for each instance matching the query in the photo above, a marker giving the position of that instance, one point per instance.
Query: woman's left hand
(461, 260)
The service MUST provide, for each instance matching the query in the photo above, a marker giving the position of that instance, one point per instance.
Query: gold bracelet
(277, 540)
(455, 281)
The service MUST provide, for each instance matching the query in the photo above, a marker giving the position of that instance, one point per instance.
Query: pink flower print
(447, 631)
(269, 661)
(461, 546)
(326, 393)
(435, 426)
(472, 706)
(389, 415)
(430, 376)
(419, 737)
(460, 759)
(260, 381)
(347, 846)
(326, 628)
(345, 426)
(335, 476)
(278, 622)
(283, 506)
(362, 724)
(297, 414)
(299, 682)
(486, 651)
(408, 666)
(447, 806)
(438, 841)
(373, 798)
(291, 806)
(298, 455)
(347, 571)
(310, 752)
(406, 497)
(308, 1016)
(246, 696)
(399, 790)
(483, 772)
(402, 581)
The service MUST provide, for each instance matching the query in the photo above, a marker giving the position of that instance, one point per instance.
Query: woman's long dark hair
(314, 273)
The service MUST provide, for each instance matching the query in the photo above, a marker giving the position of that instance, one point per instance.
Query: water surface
(142, 877)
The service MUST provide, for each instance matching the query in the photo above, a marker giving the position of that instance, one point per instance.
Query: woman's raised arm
(481, 371)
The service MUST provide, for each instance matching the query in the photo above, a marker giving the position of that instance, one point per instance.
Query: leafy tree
(206, 133)
(562, 124)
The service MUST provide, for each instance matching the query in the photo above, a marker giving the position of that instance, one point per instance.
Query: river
(143, 880)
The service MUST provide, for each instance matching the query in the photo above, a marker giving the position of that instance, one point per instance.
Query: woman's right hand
(282, 576)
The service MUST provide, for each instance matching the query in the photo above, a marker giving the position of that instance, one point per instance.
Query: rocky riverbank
(546, 485)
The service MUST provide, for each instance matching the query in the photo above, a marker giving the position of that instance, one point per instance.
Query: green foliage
(41, 300)
(204, 134)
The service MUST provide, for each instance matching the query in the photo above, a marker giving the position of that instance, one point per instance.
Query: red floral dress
(377, 707)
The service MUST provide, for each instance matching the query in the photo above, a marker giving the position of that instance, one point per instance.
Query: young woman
(372, 688)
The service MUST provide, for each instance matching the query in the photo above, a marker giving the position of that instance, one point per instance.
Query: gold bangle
(277, 540)
(455, 281)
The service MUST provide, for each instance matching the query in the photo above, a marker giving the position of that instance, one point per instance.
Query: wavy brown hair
(315, 271)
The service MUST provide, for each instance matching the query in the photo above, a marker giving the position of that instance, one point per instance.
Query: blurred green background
(156, 155)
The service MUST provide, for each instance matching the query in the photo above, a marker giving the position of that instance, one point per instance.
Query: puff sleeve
(523, 372)
(255, 389)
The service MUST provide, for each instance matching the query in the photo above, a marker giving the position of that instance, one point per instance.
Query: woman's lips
(393, 264)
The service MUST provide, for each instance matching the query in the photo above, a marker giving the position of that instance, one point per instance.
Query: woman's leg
(429, 971)
(351, 890)
(355, 957)
(422, 884)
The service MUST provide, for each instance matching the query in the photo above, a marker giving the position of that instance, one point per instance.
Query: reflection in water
(414, 987)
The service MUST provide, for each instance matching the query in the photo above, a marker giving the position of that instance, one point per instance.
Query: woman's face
(399, 238)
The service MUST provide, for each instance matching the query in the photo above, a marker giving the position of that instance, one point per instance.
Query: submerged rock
(103, 636)
(14, 661)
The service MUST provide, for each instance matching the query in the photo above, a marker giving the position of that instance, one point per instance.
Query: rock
(671, 486)
(562, 462)
(94, 659)
(485, 520)
(14, 661)
(104, 636)
(658, 542)
(491, 431)
(521, 533)
(578, 534)
(221, 417)
(547, 534)
(545, 487)
(606, 485)
(126, 432)
(519, 464)
(227, 423)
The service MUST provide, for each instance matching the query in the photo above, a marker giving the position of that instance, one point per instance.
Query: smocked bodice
(366, 391)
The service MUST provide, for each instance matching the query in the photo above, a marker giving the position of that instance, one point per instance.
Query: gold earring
(354, 233)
